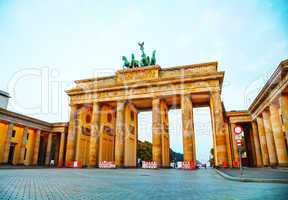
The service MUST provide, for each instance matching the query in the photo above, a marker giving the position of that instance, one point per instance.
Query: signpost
(238, 130)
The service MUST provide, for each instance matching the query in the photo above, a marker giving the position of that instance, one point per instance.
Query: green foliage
(212, 151)
(144, 152)
(175, 157)
(145, 60)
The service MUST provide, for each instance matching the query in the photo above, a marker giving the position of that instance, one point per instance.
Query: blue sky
(57, 42)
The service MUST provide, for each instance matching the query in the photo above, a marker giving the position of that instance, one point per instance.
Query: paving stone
(84, 184)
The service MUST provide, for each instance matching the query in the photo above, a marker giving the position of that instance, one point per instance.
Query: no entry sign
(238, 130)
(239, 142)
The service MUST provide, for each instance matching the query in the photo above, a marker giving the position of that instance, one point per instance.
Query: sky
(45, 45)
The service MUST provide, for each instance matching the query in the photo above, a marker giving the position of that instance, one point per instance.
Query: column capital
(215, 93)
(120, 105)
(186, 95)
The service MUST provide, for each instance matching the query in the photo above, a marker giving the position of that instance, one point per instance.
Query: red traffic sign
(238, 142)
(238, 130)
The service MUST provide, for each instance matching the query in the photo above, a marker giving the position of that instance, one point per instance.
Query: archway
(203, 134)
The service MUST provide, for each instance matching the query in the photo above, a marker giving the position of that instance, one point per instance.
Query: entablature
(276, 85)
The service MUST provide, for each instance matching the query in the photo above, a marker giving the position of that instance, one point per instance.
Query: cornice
(23, 117)
(23, 120)
(277, 75)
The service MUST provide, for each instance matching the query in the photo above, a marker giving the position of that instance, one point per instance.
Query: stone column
(235, 147)
(256, 144)
(8, 142)
(269, 138)
(252, 158)
(36, 147)
(213, 128)
(71, 138)
(228, 144)
(165, 143)
(23, 146)
(188, 127)
(278, 135)
(120, 134)
(27, 160)
(48, 149)
(77, 149)
(94, 138)
(220, 151)
(263, 143)
(61, 149)
(130, 146)
(156, 132)
(284, 112)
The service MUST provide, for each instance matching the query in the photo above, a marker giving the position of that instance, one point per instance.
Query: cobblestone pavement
(129, 184)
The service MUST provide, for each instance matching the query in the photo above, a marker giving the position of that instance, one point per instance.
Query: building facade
(29, 141)
(104, 118)
(112, 104)
(269, 115)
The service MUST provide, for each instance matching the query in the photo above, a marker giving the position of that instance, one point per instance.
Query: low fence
(187, 165)
(74, 164)
(149, 165)
(107, 165)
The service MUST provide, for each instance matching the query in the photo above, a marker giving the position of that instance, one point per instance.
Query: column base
(283, 164)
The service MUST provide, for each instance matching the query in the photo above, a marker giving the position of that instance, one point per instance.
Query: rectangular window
(13, 133)
(27, 136)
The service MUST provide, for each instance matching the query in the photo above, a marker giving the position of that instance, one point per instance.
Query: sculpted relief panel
(139, 74)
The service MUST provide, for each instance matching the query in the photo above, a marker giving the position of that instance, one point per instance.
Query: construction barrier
(235, 164)
(149, 165)
(225, 165)
(107, 165)
(188, 165)
(74, 164)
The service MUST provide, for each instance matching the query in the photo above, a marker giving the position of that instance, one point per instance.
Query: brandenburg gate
(104, 110)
